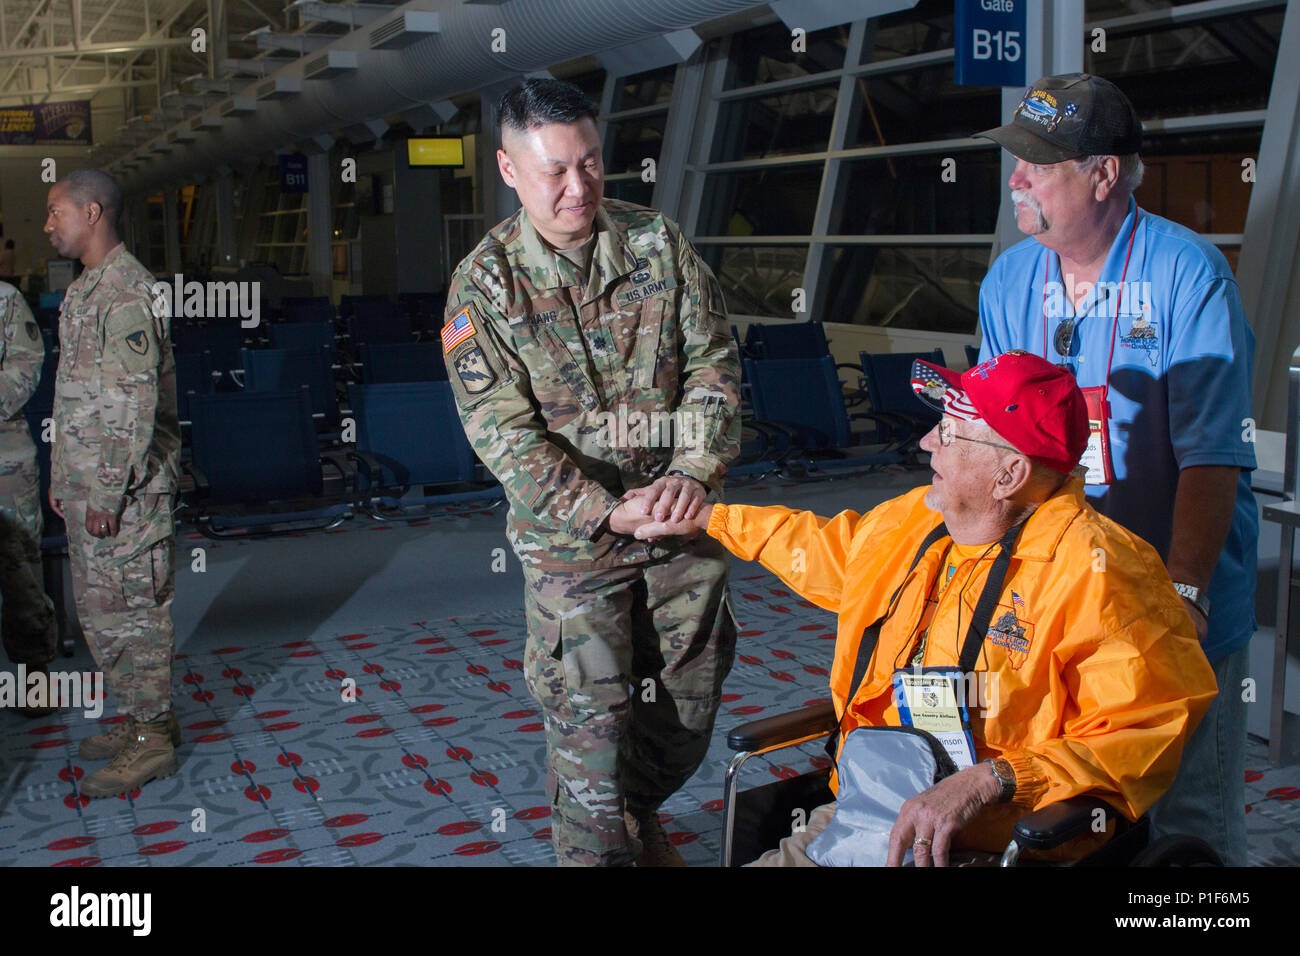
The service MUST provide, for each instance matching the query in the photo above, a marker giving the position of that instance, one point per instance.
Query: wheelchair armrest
(1061, 822)
(814, 721)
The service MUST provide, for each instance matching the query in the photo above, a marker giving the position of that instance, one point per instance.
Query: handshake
(671, 507)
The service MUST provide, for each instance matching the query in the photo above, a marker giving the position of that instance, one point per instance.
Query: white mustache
(1019, 195)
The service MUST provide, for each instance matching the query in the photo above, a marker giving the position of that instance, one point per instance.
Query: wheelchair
(757, 819)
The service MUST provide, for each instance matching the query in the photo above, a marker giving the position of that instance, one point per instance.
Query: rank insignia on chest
(138, 343)
(475, 373)
(457, 330)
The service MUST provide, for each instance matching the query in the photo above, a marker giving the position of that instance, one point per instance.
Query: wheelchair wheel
(1177, 851)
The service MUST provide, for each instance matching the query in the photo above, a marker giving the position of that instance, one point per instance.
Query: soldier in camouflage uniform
(113, 478)
(568, 323)
(26, 615)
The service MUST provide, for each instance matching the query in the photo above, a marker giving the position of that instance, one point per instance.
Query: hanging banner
(46, 124)
(989, 37)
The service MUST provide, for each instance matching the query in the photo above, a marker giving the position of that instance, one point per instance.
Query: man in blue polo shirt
(1148, 317)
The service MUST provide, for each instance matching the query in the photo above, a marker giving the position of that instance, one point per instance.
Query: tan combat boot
(148, 756)
(656, 848)
(104, 746)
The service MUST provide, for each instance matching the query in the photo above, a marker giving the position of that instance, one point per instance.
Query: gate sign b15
(990, 37)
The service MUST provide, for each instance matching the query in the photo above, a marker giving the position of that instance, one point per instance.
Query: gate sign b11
(293, 173)
(990, 42)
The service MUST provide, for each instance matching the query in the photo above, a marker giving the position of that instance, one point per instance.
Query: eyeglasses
(947, 437)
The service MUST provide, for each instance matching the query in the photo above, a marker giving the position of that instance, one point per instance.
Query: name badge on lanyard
(931, 699)
(1096, 457)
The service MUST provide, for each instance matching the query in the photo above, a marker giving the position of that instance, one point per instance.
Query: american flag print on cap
(936, 391)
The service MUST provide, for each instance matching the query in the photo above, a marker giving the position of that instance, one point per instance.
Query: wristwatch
(682, 474)
(1196, 595)
(1006, 776)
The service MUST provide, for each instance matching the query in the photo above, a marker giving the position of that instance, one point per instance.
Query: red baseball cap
(1035, 405)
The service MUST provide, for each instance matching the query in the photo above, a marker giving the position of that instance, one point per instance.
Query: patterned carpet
(438, 761)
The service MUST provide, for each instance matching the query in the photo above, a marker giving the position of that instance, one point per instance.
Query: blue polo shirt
(1179, 382)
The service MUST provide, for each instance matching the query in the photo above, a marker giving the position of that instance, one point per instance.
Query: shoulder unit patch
(138, 342)
(475, 373)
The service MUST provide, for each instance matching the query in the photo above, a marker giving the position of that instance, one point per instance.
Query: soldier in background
(26, 614)
(569, 326)
(113, 478)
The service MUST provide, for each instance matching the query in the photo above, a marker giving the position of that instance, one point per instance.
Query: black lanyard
(979, 624)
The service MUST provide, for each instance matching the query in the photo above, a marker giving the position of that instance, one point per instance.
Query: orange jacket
(1098, 694)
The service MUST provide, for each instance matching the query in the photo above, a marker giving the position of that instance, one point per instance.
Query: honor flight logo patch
(475, 373)
(138, 343)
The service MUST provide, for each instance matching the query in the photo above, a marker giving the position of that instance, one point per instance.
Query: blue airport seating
(223, 340)
(379, 325)
(888, 379)
(271, 370)
(424, 309)
(307, 308)
(409, 434)
(348, 303)
(300, 335)
(47, 317)
(786, 340)
(804, 399)
(408, 362)
(257, 467)
(972, 356)
(193, 377)
(51, 300)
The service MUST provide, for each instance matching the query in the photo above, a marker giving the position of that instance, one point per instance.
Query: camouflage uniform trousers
(27, 621)
(628, 665)
(123, 587)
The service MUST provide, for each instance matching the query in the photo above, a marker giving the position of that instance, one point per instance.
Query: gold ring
(920, 841)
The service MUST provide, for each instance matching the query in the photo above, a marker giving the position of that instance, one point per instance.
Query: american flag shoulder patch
(457, 330)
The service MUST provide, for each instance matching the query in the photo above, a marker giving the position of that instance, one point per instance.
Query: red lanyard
(1119, 301)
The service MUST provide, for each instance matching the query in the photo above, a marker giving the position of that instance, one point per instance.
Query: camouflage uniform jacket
(116, 427)
(566, 384)
(21, 353)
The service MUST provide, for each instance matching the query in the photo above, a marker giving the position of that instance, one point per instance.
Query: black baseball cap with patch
(1068, 117)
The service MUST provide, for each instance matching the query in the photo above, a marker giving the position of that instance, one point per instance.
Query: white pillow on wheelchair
(879, 769)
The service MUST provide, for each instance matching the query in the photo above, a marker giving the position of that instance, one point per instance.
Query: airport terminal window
(776, 124)
(769, 201)
(631, 190)
(757, 280)
(906, 195)
(766, 53)
(925, 28)
(917, 105)
(645, 89)
(926, 288)
(1196, 179)
(591, 82)
(634, 140)
(1211, 66)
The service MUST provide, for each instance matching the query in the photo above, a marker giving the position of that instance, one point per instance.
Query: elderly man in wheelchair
(1002, 648)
